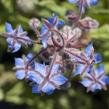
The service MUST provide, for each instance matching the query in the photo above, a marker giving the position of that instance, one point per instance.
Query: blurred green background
(16, 94)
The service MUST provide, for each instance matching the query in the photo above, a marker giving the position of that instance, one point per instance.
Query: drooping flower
(46, 30)
(15, 37)
(96, 79)
(72, 43)
(23, 67)
(83, 3)
(46, 81)
(34, 24)
(88, 23)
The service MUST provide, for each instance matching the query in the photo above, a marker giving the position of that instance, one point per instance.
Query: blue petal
(82, 8)
(16, 46)
(89, 49)
(100, 69)
(19, 62)
(86, 82)
(60, 23)
(35, 89)
(59, 79)
(72, 1)
(95, 87)
(53, 19)
(10, 40)
(78, 70)
(45, 38)
(40, 68)
(20, 29)
(48, 88)
(89, 69)
(106, 79)
(8, 27)
(30, 56)
(93, 2)
(33, 76)
(97, 58)
(20, 74)
(55, 68)
(43, 29)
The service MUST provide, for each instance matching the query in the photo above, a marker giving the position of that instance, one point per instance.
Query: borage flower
(15, 37)
(88, 58)
(83, 3)
(96, 79)
(46, 81)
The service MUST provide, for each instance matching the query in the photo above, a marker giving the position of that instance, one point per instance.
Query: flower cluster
(63, 52)
(46, 78)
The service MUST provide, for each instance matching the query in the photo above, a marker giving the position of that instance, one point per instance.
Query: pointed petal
(93, 2)
(19, 62)
(8, 27)
(40, 68)
(60, 23)
(89, 49)
(95, 87)
(99, 70)
(35, 89)
(86, 82)
(55, 68)
(33, 76)
(82, 8)
(97, 58)
(78, 70)
(89, 69)
(20, 74)
(9, 40)
(53, 19)
(48, 88)
(106, 79)
(72, 1)
(43, 29)
(59, 79)
(17, 46)
(20, 29)
(30, 56)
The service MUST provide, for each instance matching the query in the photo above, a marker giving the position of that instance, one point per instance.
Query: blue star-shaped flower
(15, 37)
(22, 66)
(90, 58)
(46, 30)
(96, 79)
(46, 82)
(83, 3)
